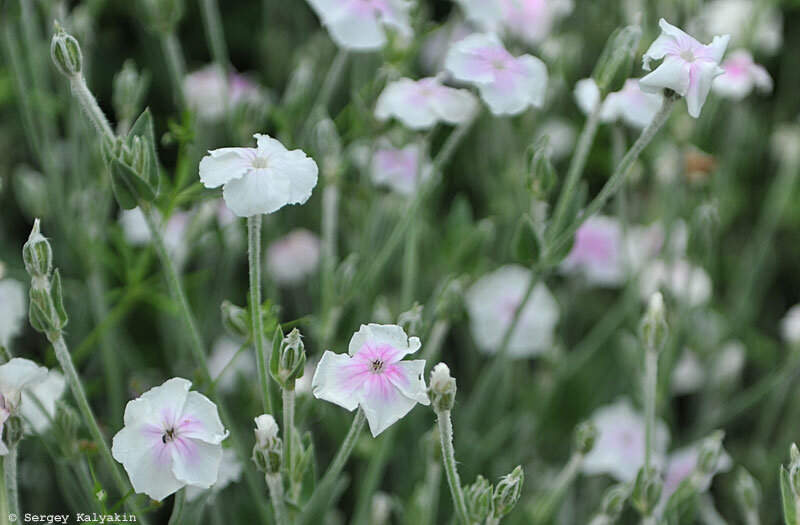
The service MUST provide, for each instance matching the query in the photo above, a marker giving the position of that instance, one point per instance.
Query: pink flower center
(376, 366)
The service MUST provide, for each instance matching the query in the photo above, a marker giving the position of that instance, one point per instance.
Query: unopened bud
(507, 492)
(585, 437)
(268, 451)
(65, 51)
(129, 90)
(653, 328)
(235, 320)
(710, 452)
(37, 254)
(288, 360)
(614, 501)
(646, 491)
(748, 490)
(442, 389)
(616, 61)
(479, 500)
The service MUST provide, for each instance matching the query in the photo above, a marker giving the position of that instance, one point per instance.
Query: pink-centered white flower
(172, 438)
(421, 104)
(16, 375)
(632, 105)
(260, 180)
(361, 25)
(742, 75)
(508, 84)
(688, 67)
(13, 309)
(294, 257)
(400, 169)
(619, 447)
(374, 376)
(492, 302)
(598, 252)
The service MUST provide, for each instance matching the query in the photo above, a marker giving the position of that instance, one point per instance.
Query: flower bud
(66, 425)
(268, 451)
(646, 491)
(411, 320)
(162, 15)
(614, 500)
(616, 61)
(710, 451)
(442, 389)
(130, 87)
(585, 437)
(507, 492)
(653, 328)
(288, 360)
(479, 500)
(543, 175)
(235, 320)
(747, 490)
(65, 52)
(37, 253)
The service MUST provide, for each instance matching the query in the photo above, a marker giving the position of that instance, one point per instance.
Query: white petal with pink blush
(260, 180)
(420, 104)
(492, 302)
(508, 85)
(172, 438)
(742, 75)
(688, 67)
(361, 25)
(598, 252)
(374, 376)
(293, 258)
(399, 169)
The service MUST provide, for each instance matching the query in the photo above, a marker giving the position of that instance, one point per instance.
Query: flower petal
(165, 401)
(200, 420)
(195, 462)
(467, 58)
(673, 73)
(39, 401)
(225, 164)
(336, 380)
(268, 146)
(454, 106)
(404, 101)
(260, 191)
(702, 74)
(146, 459)
(384, 334)
(383, 403)
(301, 172)
(18, 373)
(13, 309)
(407, 376)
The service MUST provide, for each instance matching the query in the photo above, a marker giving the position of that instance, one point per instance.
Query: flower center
(260, 163)
(168, 436)
(499, 64)
(688, 55)
(376, 366)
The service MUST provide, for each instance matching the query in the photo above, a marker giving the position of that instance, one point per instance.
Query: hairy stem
(449, 459)
(10, 474)
(276, 495)
(650, 385)
(288, 433)
(254, 262)
(5, 510)
(89, 105)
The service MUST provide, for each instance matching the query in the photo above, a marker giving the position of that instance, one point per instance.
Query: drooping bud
(585, 437)
(65, 52)
(288, 360)
(37, 253)
(235, 320)
(479, 499)
(653, 328)
(268, 451)
(508, 491)
(442, 388)
(616, 61)
(614, 501)
(646, 491)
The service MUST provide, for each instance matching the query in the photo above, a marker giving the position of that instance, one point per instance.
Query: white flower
(360, 25)
(728, 363)
(492, 301)
(13, 309)
(619, 447)
(420, 104)
(16, 375)
(741, 76)
(635, 107)
(680, 278)
(293, 258)
(746, 21)
(400, 169)
(230, 471)
(374, 376)
(137, 232)
(259, 180)
(508, 84)
(39, 401)
(207, 94)
(528, 20)
(689, 67)
(681, 464)
(227, 364)
(688, 375)
(561, 137)
(598, 253)
(266, 430)
(171, 438)
(790, 325)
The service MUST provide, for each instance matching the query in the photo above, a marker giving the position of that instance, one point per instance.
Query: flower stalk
(254, 263)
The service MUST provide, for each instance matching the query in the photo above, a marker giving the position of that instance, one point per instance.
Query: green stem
(544, 510)
(89, 105)
(449, 459)
(618, 177)
(330, 227)
(5, 510)
(215, 35)
(10, 474)
(433, 479)
(111, 371)
(288, 434)
(176, 64)
(276, 495)
(650, 385)
(178, 504)
(75, 385)
(576, 166)
(254, 262)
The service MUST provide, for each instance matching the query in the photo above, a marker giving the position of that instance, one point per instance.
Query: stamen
(259, 163)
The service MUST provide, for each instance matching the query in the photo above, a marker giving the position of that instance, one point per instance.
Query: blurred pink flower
(598, 252)
(206, 94)
(741, 76)
(171, 438)
(374, 376)
(360, 25)
(681, 464)
(508, 84)
(423, 103)
(399, 168)
(688, 68)
(293, 258)
(529, 20)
